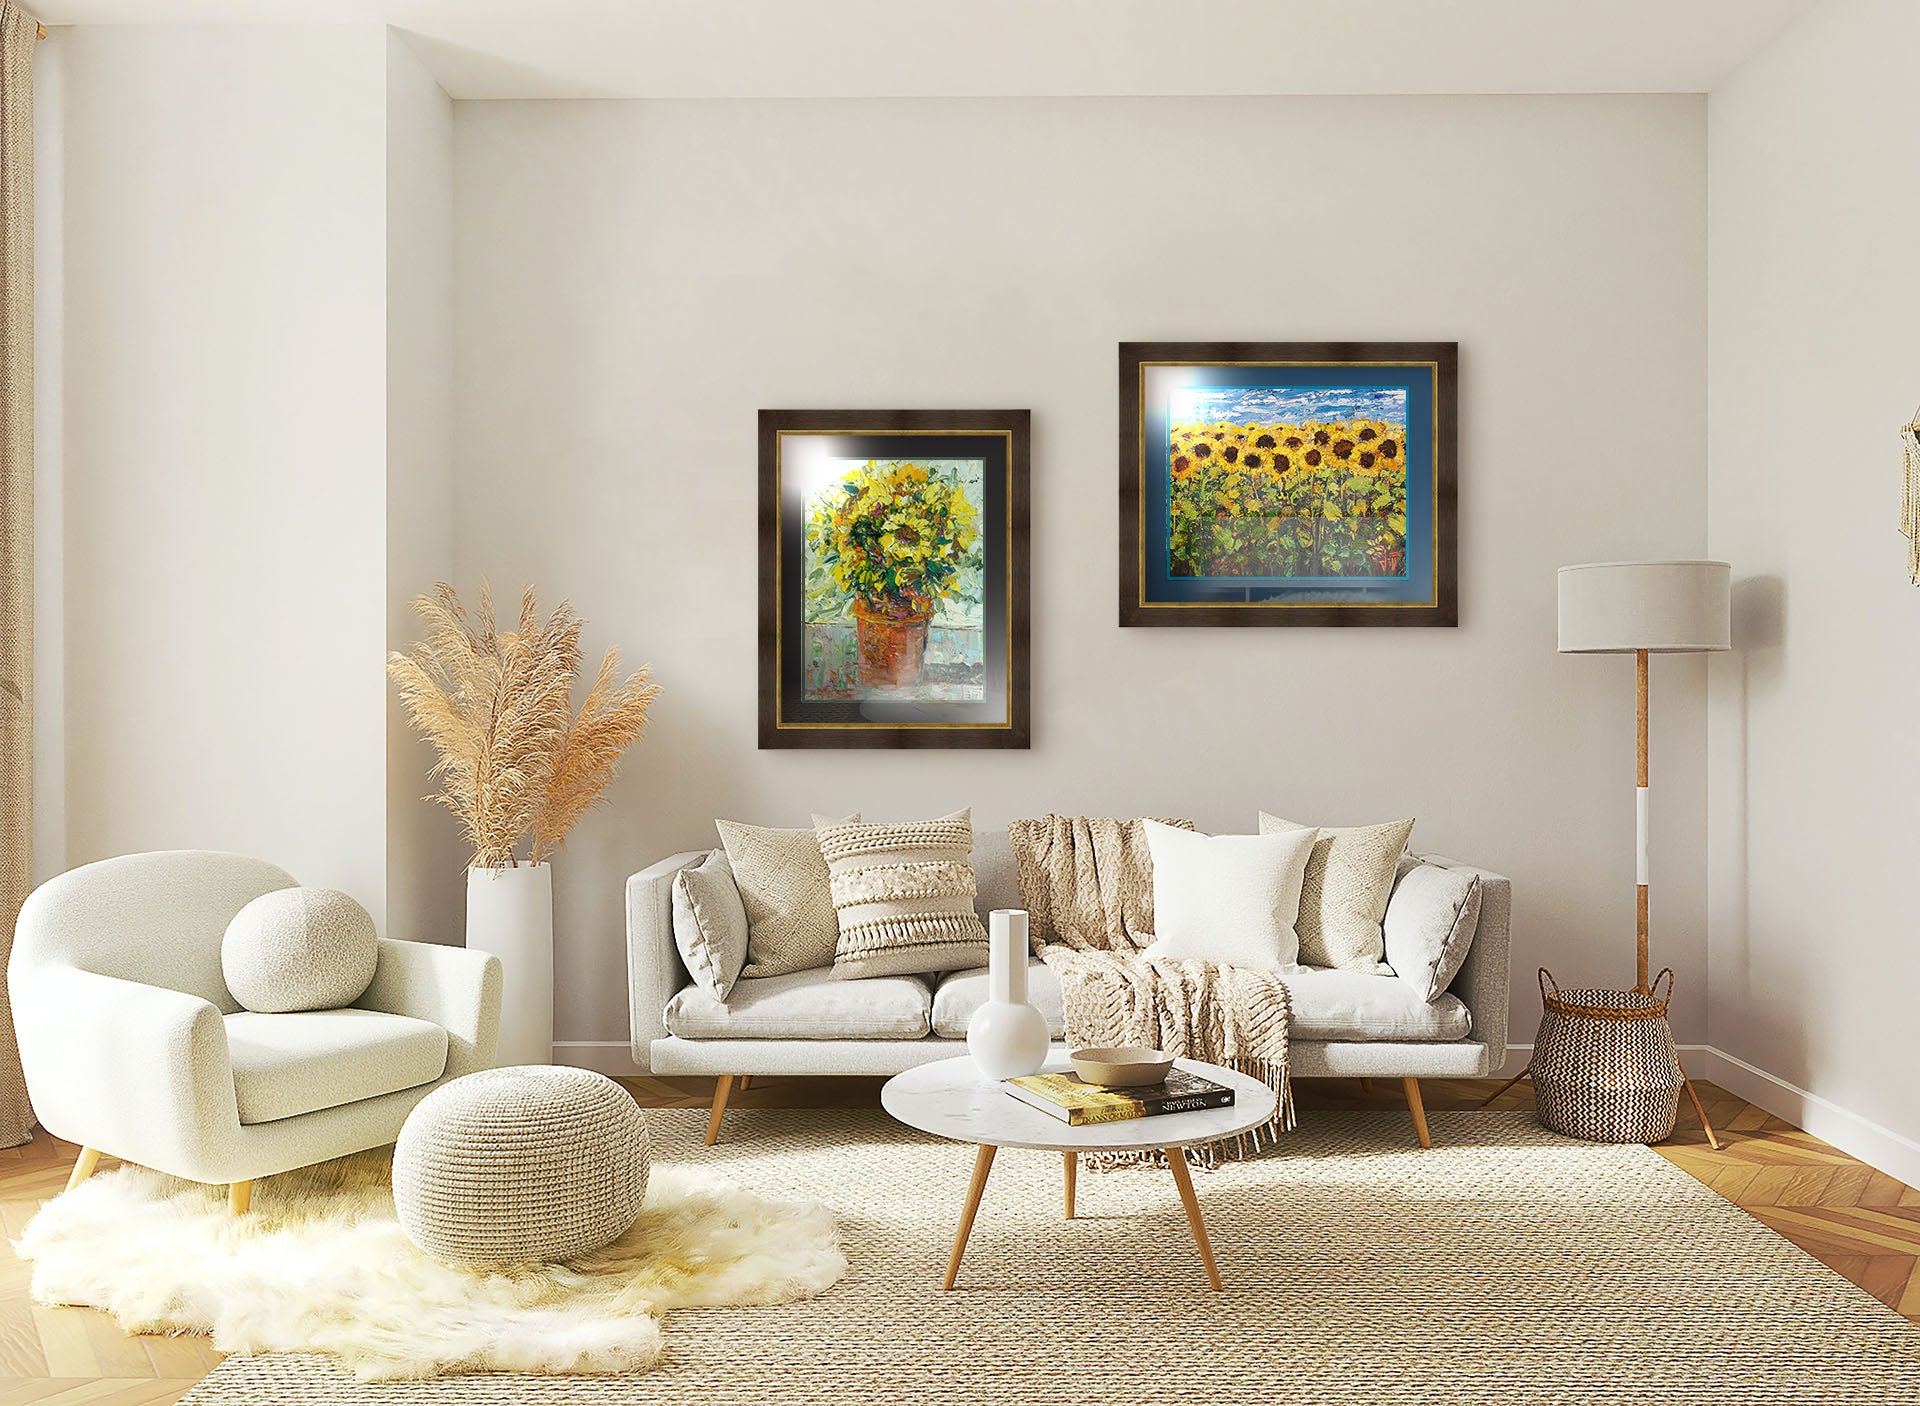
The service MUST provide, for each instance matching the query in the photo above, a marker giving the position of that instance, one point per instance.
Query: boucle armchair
(133, 1046)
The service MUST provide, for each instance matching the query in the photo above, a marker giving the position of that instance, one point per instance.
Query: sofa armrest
(654, 969)
(141, 1072)
(1485, 980)
(450, 986)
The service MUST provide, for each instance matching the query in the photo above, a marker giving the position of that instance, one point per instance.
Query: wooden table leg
(1177, 1164)
(1073, 1170)
(982, 1164)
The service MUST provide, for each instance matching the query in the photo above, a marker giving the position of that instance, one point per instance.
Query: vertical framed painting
(1288, 483)
(893, 578)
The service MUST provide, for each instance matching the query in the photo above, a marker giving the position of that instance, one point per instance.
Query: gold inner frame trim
(780, 581)
(1140, 467)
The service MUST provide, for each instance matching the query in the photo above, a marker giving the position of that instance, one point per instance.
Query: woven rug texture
(1505, 1267)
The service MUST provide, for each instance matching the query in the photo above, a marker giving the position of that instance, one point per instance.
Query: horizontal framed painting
(1288, 483)
(893, 578)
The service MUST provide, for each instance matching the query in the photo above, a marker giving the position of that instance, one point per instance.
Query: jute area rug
(1506, 1265)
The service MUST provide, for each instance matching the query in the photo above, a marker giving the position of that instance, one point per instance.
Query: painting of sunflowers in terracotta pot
(1270, 482)
(894, 579)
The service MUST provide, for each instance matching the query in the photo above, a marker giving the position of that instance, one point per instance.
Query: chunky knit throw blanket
(1088, 888)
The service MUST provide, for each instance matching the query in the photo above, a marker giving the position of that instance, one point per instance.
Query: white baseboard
(1880, 1147)
(614, 1058)
(1893, 1153)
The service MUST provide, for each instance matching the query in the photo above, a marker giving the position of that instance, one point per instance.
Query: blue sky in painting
(1286, 405)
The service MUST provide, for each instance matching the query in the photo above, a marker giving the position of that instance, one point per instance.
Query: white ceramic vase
(510, 914)
(1007, 1037)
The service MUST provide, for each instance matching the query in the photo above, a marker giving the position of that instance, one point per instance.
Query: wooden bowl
(1122, 1067)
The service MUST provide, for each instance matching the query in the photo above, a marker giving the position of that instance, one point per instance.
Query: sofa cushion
(1344, 895)
(710, 924)
(805, 1005)
(304, 1061)
(1430, 925)
(1229, 899)
(786, 892)
(960, 994)
(903, 892)
(1342, 1005)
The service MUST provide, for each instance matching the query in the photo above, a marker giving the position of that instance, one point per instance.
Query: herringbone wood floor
(1860, 1222)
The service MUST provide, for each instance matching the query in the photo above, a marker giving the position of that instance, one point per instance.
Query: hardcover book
(1072, 1100)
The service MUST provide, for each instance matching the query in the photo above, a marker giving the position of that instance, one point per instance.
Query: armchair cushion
(303, 1061)
(299, 949)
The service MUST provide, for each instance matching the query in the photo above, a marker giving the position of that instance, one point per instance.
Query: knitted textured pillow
(299, 949)
(904, 895)
(1344, 897)
(783, 886)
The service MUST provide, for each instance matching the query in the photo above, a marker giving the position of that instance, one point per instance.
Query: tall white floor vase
(510, 914)
(1007, 1036)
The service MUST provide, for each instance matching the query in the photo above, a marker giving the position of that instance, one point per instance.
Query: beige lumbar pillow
(1228, 899)
(1344, 896)
(903, 895)
(784, 888)
(299, 949)
(710, 924)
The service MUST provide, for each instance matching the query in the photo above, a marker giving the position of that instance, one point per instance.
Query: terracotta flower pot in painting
(891, 642)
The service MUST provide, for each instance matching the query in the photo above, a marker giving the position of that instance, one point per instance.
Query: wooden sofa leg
(239, 1198)
(723, 1086)
(745, 1080)
(83, 1166)
(1419, 1111)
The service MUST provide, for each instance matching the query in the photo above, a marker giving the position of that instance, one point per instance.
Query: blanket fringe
(1208, 1156)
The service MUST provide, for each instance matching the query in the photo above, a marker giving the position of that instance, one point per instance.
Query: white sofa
(132, 1045)
(1344, 1024)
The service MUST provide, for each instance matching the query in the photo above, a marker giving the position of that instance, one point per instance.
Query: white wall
(635, 280)
(1814, 771)
(224, 494)
(423, 855)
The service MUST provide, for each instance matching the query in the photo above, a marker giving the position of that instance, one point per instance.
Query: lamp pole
(1640, 860)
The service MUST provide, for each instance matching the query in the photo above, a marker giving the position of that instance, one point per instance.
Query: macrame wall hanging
(1910, 497)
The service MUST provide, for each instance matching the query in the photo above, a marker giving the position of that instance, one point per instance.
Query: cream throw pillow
(783, 886)
(903, 892)
(1349, 880)
(1430, 923)
(1229, 899)
(710, 924)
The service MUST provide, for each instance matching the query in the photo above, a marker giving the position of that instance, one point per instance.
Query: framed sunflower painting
(893, 578)
(1287, 483)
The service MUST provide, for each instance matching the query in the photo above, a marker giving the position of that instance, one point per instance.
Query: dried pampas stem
(497, 708)
(1910, 498)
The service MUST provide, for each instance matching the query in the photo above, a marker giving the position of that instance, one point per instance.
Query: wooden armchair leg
(239, 1198)
(83, 1166)
(723, 1086)
(1419, 1111)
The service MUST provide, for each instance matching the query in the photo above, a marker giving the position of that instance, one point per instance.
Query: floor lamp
(1643, 608)
(1640, 608)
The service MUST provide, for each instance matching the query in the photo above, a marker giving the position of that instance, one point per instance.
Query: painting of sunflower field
(1269, 482)
(895, 581)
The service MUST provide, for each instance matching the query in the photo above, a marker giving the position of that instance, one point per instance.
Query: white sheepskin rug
(321, 1265)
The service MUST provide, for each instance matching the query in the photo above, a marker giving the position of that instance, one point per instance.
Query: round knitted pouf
(511, 1165)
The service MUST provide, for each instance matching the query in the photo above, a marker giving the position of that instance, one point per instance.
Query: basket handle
(1546, 980)
(1667, 972)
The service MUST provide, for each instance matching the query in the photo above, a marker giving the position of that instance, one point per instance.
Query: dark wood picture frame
(1137, 609)
(778, 617)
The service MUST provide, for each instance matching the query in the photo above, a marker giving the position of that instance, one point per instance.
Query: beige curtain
(18, 31)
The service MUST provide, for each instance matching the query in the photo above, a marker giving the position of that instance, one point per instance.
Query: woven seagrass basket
(1604, 1067)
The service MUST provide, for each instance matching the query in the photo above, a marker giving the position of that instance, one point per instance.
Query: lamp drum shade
(1663, 607)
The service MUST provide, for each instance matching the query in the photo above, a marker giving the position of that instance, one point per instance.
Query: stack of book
(1072, 1100)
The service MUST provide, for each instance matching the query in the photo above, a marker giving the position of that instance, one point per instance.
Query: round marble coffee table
(951, 1099)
